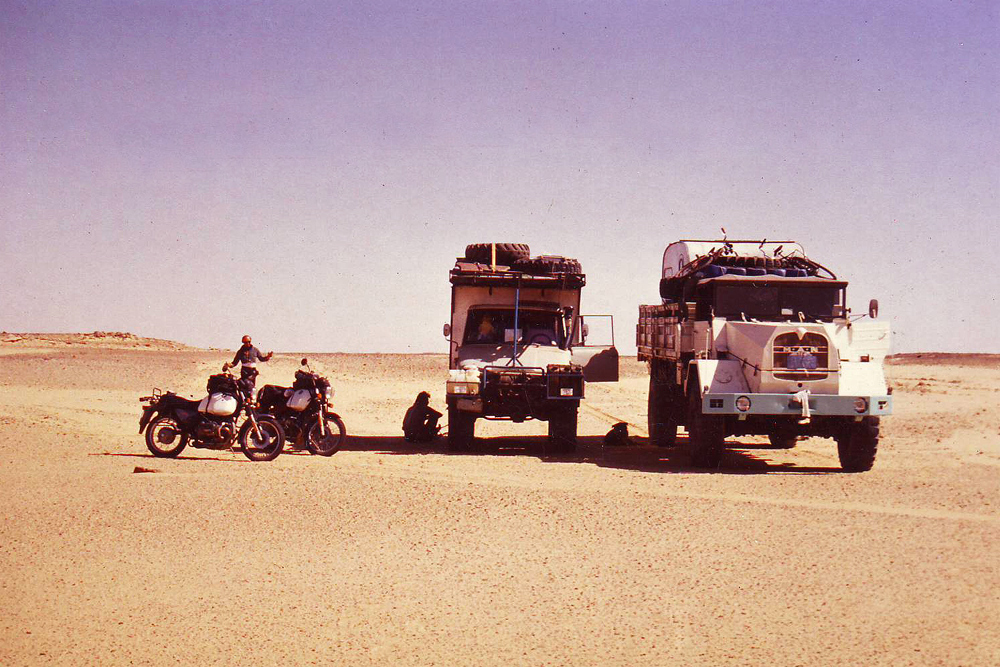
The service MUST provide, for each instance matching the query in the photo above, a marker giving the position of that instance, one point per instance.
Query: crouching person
(421, 421)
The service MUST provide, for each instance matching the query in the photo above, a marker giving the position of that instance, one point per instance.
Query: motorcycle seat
(175, 401)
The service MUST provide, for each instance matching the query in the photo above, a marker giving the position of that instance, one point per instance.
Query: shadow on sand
(738, 459)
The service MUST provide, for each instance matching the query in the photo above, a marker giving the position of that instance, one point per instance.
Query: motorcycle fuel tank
(299, 400)
(220, 405)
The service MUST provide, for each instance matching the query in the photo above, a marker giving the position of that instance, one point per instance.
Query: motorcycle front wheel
(164, 438)
(266, 443)
(331, 441)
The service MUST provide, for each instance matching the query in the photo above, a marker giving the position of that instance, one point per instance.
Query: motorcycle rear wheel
(263, 447)
(164, 438)
(329, 444)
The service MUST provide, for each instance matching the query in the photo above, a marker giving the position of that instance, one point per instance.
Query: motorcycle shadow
(182, 457)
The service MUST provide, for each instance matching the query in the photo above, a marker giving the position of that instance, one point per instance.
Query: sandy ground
(390, 554)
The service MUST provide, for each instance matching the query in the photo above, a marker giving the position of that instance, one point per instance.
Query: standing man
(248, 355)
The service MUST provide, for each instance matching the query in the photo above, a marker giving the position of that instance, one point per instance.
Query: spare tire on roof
(507, 253)
(546, 264)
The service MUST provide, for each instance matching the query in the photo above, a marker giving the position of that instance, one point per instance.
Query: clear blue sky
(307, 172)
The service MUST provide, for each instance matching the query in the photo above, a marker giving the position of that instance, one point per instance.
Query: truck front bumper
(820, 405)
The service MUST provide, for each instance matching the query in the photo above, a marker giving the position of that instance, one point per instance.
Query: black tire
(858, 444)
(706, 437)
(336, 436)
(164, 438)
(548, 264)
(507, 253)
(269, 446)
(781, 440)
(661, 413)
(461, 430)
(562, 433)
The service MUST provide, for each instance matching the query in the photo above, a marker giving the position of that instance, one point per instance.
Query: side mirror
(585, 331)
(305, 362)
(873, 308)
(447, 330)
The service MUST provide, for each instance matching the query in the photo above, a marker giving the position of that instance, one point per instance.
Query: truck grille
(799, 359)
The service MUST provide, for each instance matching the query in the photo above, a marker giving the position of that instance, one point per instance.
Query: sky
(307, 172)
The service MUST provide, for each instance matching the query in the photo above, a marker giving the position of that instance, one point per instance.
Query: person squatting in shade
(248, 356)
(420, 422)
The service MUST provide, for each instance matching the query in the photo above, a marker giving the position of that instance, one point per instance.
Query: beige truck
(754, 337)
(518, 346)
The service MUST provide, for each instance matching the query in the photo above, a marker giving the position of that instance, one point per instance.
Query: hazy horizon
(307, 172)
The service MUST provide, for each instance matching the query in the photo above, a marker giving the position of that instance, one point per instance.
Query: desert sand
(392, 554)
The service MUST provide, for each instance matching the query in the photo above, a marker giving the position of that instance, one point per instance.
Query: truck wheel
(461, 430)
(706, 437)
(562, 433)
(547, 264)
(507, 253)
(781, 440)
(661, 418)
(857, 445)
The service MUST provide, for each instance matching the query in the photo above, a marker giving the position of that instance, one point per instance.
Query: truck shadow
(739, 458)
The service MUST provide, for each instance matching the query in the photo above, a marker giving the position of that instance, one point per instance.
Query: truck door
(594, 348)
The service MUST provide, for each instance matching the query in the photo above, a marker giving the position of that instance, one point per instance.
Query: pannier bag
(304, 380)
(221, 384)
(220, 405)
(300, 400)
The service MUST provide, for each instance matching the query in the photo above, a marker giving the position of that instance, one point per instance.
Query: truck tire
(857, 445)
(706, 437)
(507, 253)
(544, 265)
(781, 440)
(562, 433)
(461, 430)
(661, 416)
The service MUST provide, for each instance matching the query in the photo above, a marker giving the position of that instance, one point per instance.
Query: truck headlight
(465, 388)
(742, 403)
(860, 405)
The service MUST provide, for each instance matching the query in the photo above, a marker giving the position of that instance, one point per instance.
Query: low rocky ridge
(101, 339)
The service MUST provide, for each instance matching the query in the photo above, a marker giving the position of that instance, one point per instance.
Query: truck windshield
(778, 301)
(496, 327)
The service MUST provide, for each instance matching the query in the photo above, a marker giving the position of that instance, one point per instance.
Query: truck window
(495, 326)
(778, 301)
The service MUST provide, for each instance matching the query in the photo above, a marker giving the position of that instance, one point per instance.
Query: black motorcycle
(172, 423)
(304, 411)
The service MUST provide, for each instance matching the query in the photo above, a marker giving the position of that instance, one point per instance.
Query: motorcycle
(172, 422)
(304, 411)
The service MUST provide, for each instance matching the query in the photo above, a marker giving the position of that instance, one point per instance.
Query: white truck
(517, 343)
(754, 337)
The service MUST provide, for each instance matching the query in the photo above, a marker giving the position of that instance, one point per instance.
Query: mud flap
(600, 364)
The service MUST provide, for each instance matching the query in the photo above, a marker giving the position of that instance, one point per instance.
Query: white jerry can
(300, 400)
(220, 405)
